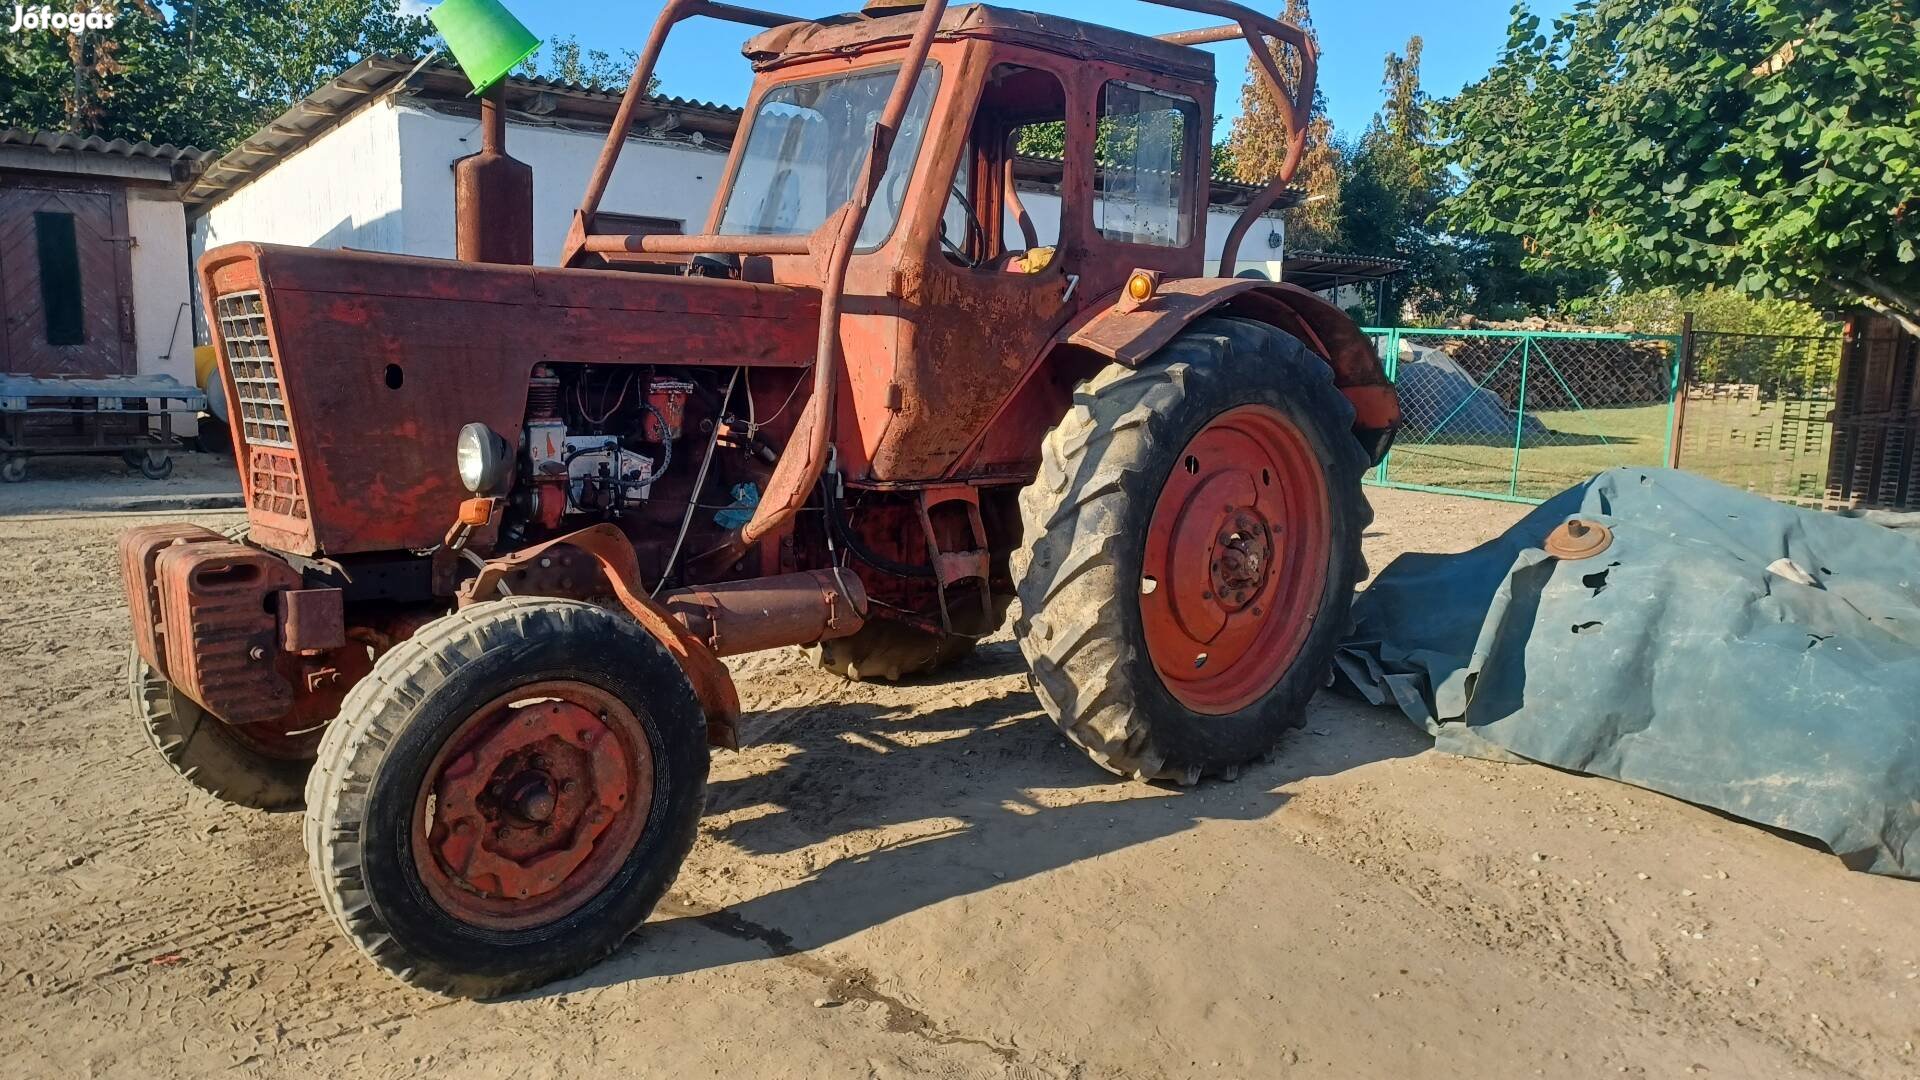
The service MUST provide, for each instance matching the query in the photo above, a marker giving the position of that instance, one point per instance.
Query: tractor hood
(350, 374)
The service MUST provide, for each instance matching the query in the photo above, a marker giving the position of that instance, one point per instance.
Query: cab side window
(1002, 212)
(1142, 153)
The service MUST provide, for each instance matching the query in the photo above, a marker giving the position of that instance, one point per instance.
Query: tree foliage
(1785, 347)
(204, 73)
(564, 60)
(1257, 147)
(1390, 188)
(1771, 146)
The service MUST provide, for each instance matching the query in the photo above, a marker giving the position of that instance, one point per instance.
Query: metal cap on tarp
(484, 37)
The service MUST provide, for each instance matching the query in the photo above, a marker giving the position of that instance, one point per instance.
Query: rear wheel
(1195, 533)
(508, 794)
(247, 766)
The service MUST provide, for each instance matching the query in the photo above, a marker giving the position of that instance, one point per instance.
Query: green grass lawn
(1576, 444)
(1775, 448)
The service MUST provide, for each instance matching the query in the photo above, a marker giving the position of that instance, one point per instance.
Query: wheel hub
(1236, 559)
(1241, 555)
(533, 805)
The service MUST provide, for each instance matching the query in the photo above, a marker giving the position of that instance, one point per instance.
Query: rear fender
(1129, 335)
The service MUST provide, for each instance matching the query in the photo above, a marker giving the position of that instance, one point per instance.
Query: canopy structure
(1325, 271)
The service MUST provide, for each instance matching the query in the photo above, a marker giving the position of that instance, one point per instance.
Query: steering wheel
(976, 232)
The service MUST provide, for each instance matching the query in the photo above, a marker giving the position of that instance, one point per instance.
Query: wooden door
(66, 290)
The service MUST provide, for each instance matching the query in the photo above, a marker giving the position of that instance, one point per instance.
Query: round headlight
(483, 458)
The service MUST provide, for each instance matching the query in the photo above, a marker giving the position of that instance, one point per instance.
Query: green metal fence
(1519, 415)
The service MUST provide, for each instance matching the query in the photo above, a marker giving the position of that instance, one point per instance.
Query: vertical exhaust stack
(492, 193)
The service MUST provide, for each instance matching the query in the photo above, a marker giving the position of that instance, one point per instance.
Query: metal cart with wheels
(130, 416)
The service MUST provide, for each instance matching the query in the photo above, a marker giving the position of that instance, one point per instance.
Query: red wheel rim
(1236, 560)
(533, 805)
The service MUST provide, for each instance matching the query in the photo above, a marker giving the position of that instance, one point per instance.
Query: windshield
(804, 151)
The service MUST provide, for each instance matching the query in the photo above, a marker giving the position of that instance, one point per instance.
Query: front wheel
(1195, 541)
(508, 794)
(257, 766)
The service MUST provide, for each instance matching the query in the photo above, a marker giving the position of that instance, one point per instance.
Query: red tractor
(504, 520)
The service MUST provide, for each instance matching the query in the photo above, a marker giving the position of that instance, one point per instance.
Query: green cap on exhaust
(484, 37)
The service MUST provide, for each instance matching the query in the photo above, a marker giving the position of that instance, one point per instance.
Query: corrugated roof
(540, 82)
(181, 162)
(1320, 270)
(446, 86)
(94, 144)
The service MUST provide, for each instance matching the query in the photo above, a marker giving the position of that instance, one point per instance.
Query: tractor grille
(261, 409)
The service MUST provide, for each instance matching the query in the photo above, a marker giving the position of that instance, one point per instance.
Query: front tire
(267, 773)
(508, 794)
(1195, 540)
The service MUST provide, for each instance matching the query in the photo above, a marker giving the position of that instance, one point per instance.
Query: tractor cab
(1023, 184)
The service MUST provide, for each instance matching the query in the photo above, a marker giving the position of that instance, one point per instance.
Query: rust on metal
(1576, 538)
(493, 193)
(312, 620)
(139, 548)
(737, 617)
(228, 662)
(532, 805)
(473, 333)
(357, 371)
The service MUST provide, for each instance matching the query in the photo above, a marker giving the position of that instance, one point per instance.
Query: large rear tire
(213, 755)
(1194, 536)
(508, 794)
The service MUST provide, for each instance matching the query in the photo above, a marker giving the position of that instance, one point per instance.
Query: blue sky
(1462, 37)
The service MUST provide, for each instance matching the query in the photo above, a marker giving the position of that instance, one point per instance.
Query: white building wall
(340, 190)
(162, 321)
(658, 179)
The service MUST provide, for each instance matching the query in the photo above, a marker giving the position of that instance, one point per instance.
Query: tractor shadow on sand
(975, 795)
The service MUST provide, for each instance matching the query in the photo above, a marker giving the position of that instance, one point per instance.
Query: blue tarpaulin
(1725, 649)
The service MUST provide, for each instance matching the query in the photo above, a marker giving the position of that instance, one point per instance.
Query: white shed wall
(340, 190)
(665, 180)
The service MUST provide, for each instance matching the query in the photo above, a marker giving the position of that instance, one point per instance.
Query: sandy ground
(924, 880)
